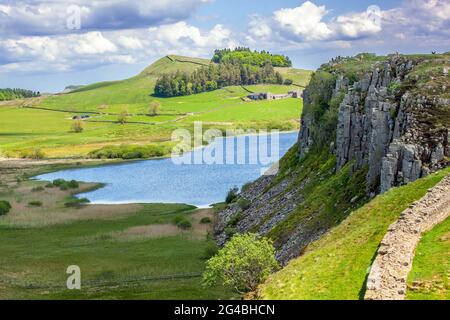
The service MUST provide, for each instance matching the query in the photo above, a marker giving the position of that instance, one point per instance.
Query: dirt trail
(387, 278)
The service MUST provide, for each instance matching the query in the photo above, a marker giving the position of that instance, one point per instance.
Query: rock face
(387, 131)
(388, 121)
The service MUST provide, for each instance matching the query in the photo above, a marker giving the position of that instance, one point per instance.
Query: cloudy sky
(48, 44)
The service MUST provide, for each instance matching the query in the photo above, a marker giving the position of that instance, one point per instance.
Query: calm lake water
(203, 177)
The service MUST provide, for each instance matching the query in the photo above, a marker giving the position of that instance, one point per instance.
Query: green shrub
(49, 185)
(58, 182)
(232, 195)
(234, 220)
(394, 87)
(178, 219)
(211, 250)
(73, 184)
(35, 154)
(75, 202)
(35, 203)
(132, 155)
(246, 186)
(230, 232)
(205, 220)
(244, 204)
(37, 189)
(64, 187)
(184, 224)
(245, 262)
(5, 207)
(129, 152)
(219, 207)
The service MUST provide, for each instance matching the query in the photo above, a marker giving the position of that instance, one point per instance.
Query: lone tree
(122, 118)
(245, 262)
(155, 106)
(77, 126)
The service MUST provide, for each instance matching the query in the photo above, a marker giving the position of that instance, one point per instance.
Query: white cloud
(358, 25)
(182, 33)
(130, 42)
(49, 17)
(88, 50)
(304, 21)
(92, 43)
(259, 27)
(418, 22)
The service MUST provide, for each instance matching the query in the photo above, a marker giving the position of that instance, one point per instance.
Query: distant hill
(71, 88)
(138, 89)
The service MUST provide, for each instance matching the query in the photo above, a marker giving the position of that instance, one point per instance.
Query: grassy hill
(49, 127)
(336, 266)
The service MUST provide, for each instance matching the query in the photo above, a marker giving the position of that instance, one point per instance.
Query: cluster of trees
(215, 76)
(246, 56)
(11, 94)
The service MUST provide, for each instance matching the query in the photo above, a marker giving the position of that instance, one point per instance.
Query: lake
(201, 177)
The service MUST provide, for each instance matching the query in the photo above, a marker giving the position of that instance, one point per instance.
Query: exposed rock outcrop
(386, 128)
(386, 119)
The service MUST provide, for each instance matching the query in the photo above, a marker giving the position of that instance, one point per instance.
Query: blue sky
(42, 48)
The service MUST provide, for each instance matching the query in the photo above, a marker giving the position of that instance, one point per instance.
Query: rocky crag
(369, 123)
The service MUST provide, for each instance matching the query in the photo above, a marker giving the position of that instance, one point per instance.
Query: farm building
(84, 116)
(270, 96)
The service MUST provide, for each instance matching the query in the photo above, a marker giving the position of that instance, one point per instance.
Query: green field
(23, 126)
(119, 254)
(336, 266)
(429, 277)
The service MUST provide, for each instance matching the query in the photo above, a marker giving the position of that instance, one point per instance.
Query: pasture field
(45, 123)
(124, 251)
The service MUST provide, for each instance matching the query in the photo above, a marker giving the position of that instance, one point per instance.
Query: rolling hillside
(336, 266)
(104, 101)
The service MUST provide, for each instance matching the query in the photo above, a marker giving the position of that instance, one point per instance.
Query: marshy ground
(130, 251)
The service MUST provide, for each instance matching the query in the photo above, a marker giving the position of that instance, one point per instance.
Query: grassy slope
(24, 128)
(335, 266)
(429, 278)
(299, 77)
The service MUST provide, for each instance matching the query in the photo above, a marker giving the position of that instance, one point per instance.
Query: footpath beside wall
(388, 274)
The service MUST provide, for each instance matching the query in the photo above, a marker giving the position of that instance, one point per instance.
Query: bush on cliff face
(5, 206)
(321, 107)
(245, 262)
(232, 195)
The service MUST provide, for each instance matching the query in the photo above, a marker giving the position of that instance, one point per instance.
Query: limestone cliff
(369, 123)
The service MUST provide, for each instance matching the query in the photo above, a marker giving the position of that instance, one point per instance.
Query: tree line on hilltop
(11, 94)
(224, 72)
(242, 55)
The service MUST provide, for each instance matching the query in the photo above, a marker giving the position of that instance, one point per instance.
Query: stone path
(388, 274)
